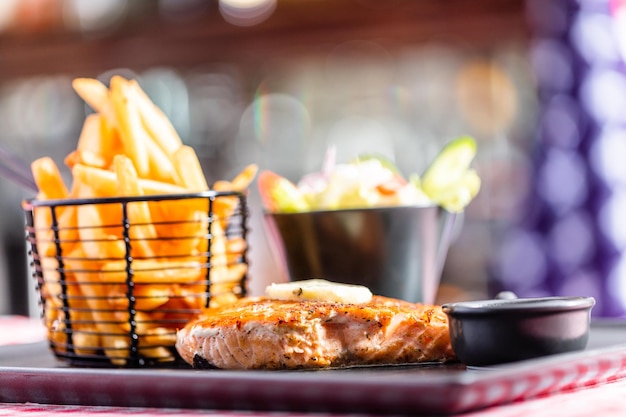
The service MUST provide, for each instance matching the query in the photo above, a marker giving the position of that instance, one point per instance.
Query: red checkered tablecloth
(602, 401)
(605, 400)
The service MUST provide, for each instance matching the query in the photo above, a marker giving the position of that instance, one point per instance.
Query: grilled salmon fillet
(263, 333)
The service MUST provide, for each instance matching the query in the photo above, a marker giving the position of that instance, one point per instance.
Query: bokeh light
(94, 16)
(607, 155)
(619, 26)
(616, 284)
(427, 74)
(603, 92)
(579, 197)
(279, 124)
(547, 18)
(487, 97)
(246, 12)
(593, 36)
(584, 281)
(42, 110)
(571, 241)
(552, 65)
(217, 102)
(522, 263)
(560, 122)
(562, 180)
(278, 118)
(375, 73)
(360, 135)
(8, 9)
(611, 219)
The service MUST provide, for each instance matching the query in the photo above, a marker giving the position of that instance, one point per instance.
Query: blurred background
(541, 85)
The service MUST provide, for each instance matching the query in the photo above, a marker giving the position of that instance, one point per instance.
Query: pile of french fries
(148, 276)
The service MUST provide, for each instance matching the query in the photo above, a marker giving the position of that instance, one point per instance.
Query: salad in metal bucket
(373, 181)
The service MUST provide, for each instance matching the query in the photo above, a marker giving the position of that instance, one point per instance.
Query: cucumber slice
(449, 166)
(456, 198)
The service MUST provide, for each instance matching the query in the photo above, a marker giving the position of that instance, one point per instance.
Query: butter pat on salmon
(319, 290)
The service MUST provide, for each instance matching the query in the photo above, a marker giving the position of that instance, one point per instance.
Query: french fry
(106, 303)
(48, 179)
(222, 295)
(103, 183)
(67, 231)
(116, 347)
(62, 287)
(97, 145)
(162, 353)
(50, 287)
(219, 261)
(194, 294)
(152, 271)
(86, 342)
(165, 273)
(151, 297)
(224, 276)
(225, 206)
(156, 123)
(56, 313)
(235, 247)
(159, 336)
(93, 92)
(177, 312)
(147, 296)
(99, 182)
(181, 226)
(100, 234)
(236, 272)
(51, 186)
(142, 231)
(54, 319)
(114, 338)
(189, 169)
(144, 321)
(42, 222)
(85, 338)
(152, 343)
(161, 167)
(154, 187)
(133, 136)
(88, 150)
(243, 180)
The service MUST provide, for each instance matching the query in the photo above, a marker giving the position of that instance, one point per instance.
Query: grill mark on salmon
(261, 333)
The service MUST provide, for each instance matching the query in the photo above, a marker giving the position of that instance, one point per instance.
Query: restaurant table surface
(603, 400)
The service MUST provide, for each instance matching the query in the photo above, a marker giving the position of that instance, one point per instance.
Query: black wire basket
(118, 276)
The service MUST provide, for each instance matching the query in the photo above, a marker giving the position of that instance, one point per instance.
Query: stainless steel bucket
(397, 252)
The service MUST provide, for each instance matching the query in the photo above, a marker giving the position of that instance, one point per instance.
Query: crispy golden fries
(93, 92)
(141, 229)
(139, 267)
(189, 169)
(132, 133)
(155, 122)
(48, 179)
(97, 145)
